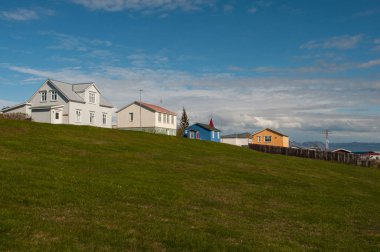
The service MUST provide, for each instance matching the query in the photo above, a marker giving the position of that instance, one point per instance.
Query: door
(56, 116)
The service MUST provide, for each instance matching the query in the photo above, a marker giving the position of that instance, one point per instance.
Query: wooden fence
(348, 158)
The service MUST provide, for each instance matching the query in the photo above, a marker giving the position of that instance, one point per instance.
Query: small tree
(184, 123)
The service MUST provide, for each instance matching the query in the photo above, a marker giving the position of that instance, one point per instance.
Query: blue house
(203, 132)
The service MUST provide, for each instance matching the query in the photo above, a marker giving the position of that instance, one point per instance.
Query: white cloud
(146, 6)
(92, 48)
(23, 14)
(300, 107)
(20, 15)
(141, 59)
(252, 10)
(337, 42)
(377, 44)
(369, 64)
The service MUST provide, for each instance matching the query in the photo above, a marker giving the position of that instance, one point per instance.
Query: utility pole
(140, 109)
(326, 133)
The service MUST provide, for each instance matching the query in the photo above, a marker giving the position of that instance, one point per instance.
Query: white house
(242, 139)
(154, 119)
(58, 102)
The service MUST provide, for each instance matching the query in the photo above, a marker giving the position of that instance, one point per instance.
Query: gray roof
(81, 87)
(240, 135)
(207, 127)
(70, 91)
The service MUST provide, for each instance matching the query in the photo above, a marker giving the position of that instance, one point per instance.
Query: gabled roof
(240, 135)
(151, 107)
(15, 106)
(342, 150)
(206, 126)
(70, 91)
(273, 131)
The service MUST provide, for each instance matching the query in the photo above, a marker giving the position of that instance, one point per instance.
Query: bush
(16, 116)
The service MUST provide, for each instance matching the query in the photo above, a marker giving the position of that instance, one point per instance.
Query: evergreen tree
(184, 123)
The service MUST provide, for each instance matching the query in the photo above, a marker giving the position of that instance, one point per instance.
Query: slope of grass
(82, 188)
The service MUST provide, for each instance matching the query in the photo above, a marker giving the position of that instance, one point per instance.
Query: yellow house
(270, 137)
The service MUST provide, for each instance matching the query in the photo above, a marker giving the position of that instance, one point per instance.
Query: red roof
(156, 108)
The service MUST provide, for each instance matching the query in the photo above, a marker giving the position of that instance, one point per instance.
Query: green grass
(83, 188)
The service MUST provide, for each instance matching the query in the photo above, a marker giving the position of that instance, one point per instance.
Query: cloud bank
(300, 107)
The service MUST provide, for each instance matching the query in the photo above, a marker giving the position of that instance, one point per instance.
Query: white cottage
(242, 139)
(58, 102)
(154, 119)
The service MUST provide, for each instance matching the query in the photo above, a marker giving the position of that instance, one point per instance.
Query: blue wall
(204, 133)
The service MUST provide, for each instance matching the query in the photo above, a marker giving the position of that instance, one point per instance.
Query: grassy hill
(82, 188)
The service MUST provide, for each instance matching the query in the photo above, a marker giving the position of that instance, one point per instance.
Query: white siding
(163, 124)
(85, 114)
(21, 109)
(147, 117)
(236, 141)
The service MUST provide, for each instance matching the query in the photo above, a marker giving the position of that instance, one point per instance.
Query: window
(172, 119)
(104, 118)
(53, 95)
(43, 96)
(78, 114)
(212, 134)
(164, 118)
(217, 135)
(268, 139)
(57, 116)
(131, 117)
(92, 117)
(168, 119)
(159, 117)
(259, 139)
(92, 98)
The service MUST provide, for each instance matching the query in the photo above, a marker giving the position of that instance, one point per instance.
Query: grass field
(83, 188)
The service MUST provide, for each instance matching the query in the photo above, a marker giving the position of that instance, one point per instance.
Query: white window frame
(259, 139)
(218, 135)
(104, 118)
(167, 119)
(164, 118)
(131, 117)
(212, 134)
(172, 119)
(78, 115)
(268, 139)
(92, 97)
(159, 117)
(92, 117)
(53, 95)
(43, 97)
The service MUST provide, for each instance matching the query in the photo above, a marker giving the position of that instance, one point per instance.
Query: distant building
(242, 139)
(270, 137)
(58, 102)
(341, 150)
(371, 156)
(203, 132)
(154, 119)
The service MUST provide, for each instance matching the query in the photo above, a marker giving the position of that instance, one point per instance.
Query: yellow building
(270, 137)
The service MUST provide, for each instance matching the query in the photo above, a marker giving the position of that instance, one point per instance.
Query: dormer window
(43, 96)
(92, 97)
(53, 95)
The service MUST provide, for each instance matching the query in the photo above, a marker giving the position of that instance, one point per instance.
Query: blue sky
(296, 66)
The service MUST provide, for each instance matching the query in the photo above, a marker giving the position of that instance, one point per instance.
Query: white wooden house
(242, 139)
(153, 118)
(58, 102)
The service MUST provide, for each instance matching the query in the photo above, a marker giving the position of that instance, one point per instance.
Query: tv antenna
(326, 133)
